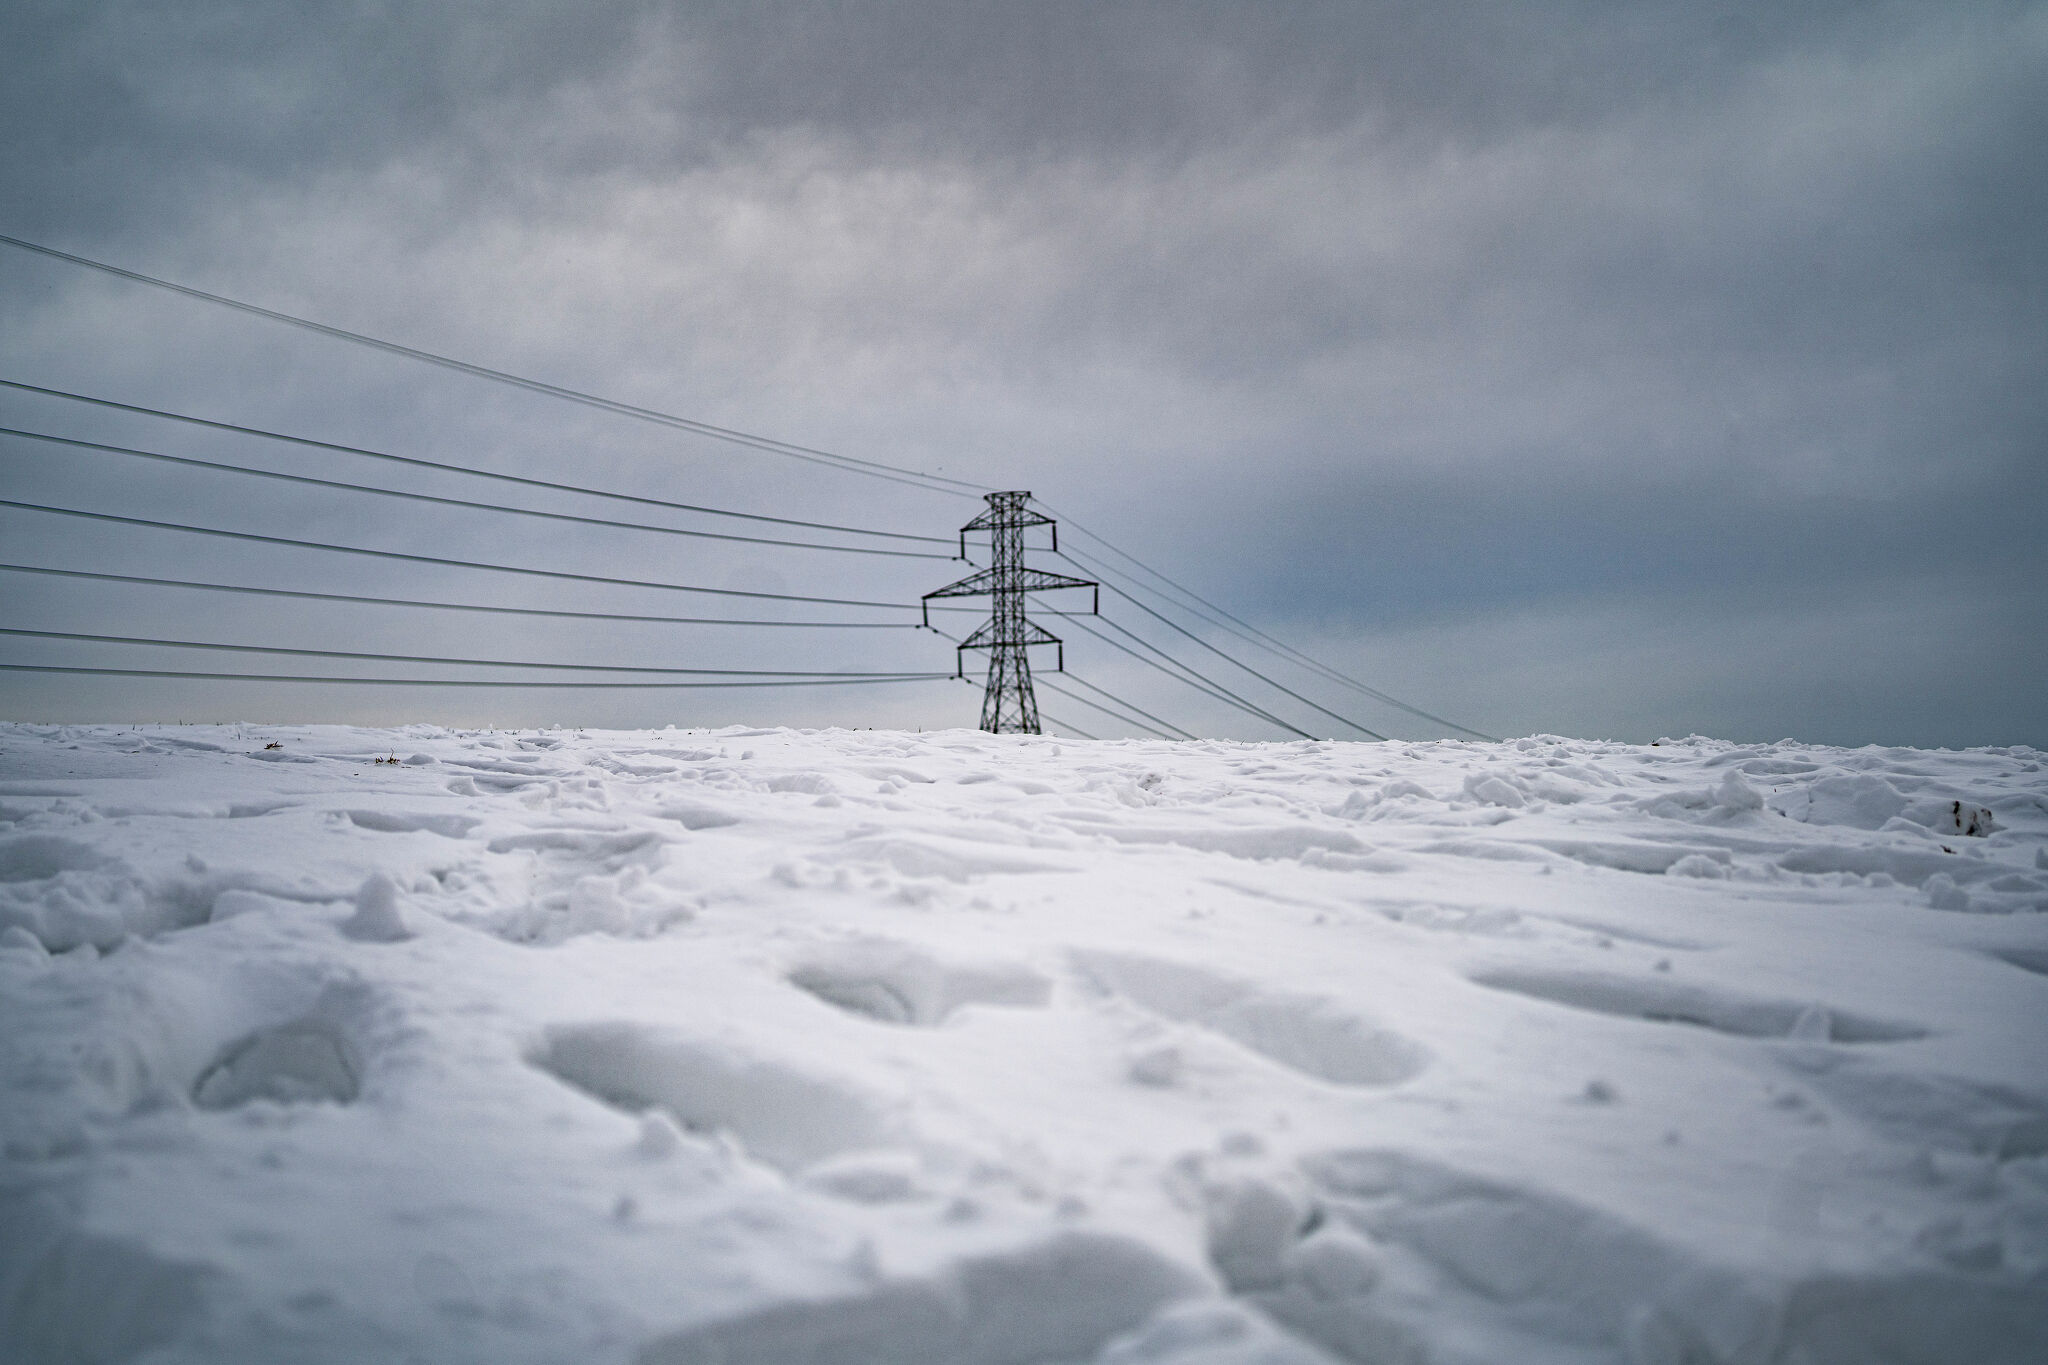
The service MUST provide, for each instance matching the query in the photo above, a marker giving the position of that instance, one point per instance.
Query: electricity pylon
(1007, 705)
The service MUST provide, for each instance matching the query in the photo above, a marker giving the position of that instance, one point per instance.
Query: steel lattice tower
(1007, 706)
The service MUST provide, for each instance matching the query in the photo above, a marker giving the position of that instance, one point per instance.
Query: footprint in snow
(781, 1114)
(1662, 1000)
(894, 983)
(1311, 1034)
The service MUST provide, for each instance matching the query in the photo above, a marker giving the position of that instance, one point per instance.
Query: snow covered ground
(883, 1048)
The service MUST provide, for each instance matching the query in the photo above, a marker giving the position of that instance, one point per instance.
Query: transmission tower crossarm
(1016, 517)
(993, 581)
(984, 636)
(1019, 517)
(986, 582)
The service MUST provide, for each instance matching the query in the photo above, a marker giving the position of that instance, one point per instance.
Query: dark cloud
(1506, 323)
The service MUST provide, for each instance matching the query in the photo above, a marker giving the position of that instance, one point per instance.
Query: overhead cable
(438, 659)
(453, 563)
(606, 522)
(1127, 705)
(423, 463)
(1076, 730)
(1251, 634)
(1271, 682)
(1185, 673)
(466, 682)
(937, 483)
(455, 606)
(1098, 706)
(1264, 640)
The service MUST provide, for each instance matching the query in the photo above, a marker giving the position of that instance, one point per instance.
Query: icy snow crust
(766, 1047)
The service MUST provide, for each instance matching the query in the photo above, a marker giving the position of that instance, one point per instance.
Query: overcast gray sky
(1605, 369)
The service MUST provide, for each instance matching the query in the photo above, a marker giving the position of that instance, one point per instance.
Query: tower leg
(1008, 706)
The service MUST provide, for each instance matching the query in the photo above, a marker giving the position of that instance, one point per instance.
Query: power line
(937, 483)
(1076, 730)
(1279, 686)
(1128, 706)
(454, 563)
(467, 682)
(1261, 638)
(195, 463)
(1112, 714)
(423, 463)
(439, 659)
(1185, 673)
(1253, 635)
(455, 606)
(1117, 716)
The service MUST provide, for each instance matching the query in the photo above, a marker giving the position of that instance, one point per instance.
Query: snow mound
(1859, 801)
(377, 918)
